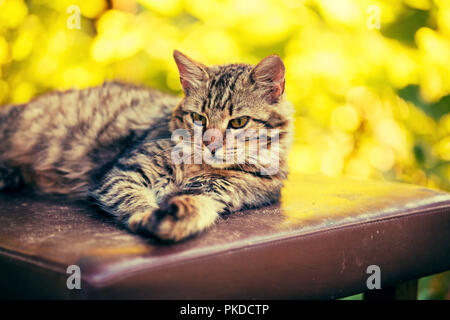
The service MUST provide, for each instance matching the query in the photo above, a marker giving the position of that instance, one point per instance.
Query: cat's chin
(219, 165)
(215, 163)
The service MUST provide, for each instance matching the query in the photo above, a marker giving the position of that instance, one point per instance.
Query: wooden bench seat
(316, 244)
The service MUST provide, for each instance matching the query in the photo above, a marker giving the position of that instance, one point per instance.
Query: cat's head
(232, 99)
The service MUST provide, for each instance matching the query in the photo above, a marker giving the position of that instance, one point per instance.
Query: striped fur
(112, 144)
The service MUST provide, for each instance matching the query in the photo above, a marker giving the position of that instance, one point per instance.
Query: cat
(113, 144)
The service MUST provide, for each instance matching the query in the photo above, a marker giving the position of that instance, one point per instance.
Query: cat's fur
(113, 143)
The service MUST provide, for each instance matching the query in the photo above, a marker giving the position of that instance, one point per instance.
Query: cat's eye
(239, 122)
(198, 118)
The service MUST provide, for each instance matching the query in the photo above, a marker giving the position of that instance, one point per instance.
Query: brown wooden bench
(318, 243)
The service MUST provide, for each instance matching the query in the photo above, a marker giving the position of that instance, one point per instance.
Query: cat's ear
(192, 73)
(269, 75)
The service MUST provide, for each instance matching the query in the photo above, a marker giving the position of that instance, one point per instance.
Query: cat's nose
(213, 145)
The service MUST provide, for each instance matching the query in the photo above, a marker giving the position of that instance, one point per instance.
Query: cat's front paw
(180, 217)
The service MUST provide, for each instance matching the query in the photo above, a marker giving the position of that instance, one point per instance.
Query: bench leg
(403, 291)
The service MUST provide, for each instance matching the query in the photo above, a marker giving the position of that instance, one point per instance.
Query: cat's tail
(9, 120)
(9, 123)
(9, 117)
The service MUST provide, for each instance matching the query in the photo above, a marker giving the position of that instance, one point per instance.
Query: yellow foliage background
(370, 80)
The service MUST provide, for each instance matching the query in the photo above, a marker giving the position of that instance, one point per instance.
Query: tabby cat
(113, 144)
